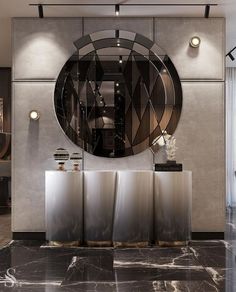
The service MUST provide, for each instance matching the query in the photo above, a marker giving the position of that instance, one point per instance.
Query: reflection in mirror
(114, 96)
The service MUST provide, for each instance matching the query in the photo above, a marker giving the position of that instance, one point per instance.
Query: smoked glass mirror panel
(115, 95)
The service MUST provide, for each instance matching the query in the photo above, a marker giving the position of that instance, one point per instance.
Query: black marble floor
(202, 266)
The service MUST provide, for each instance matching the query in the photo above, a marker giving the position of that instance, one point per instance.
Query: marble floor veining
(203, 266)
(35, 268)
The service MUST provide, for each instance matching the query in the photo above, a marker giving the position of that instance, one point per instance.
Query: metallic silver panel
(64, 208)
(173, 201)
(133, 210)
(99, 194)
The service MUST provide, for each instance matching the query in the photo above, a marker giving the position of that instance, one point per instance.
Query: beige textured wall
(42, 46)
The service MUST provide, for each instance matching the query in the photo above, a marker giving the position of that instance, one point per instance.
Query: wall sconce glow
(40, 10)
(195, 42)
(34, 115)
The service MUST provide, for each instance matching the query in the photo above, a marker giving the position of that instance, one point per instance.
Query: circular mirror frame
(73, 125)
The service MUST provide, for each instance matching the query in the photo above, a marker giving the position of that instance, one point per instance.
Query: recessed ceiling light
(195, 42)
(231, 56)
(117, 33)
(40, 10)
(207, 11)
(117, 9)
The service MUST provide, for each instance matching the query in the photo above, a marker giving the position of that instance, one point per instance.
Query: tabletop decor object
(61, 155)
(76, 159)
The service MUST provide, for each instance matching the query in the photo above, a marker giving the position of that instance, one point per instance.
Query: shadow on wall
(33, 137)
(193, 52)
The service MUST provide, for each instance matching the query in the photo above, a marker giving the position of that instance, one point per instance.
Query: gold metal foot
(64, 243)
(131, 244)
(105, 243)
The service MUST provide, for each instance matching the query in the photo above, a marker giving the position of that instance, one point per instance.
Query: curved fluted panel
(99, 196)
(133, 210)
(173, 197)
(64, 208)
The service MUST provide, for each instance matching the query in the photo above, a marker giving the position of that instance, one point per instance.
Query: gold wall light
(195, 42)
(34, 115)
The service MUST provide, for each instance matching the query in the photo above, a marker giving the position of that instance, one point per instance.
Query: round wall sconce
(34, 115)
(195, 42)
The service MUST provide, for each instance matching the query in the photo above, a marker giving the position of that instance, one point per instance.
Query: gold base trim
(131, 244)
(92, 243)
(172, 243)
(64, 243)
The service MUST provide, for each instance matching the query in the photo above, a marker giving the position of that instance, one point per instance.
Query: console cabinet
(120, 208)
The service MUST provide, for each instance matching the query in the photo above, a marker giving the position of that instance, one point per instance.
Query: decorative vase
(61, 155)
(76, 158)
(170, 147)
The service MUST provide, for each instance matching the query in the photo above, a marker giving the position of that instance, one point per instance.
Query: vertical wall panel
(34, 143)
(200, 142)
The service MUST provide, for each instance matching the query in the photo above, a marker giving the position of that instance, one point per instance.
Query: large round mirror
(117, 94)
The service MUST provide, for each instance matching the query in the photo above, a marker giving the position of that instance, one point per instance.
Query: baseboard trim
(207, 235)
(28, 235)
(42, 235)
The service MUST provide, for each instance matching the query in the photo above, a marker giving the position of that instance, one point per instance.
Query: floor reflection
(203, 266)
